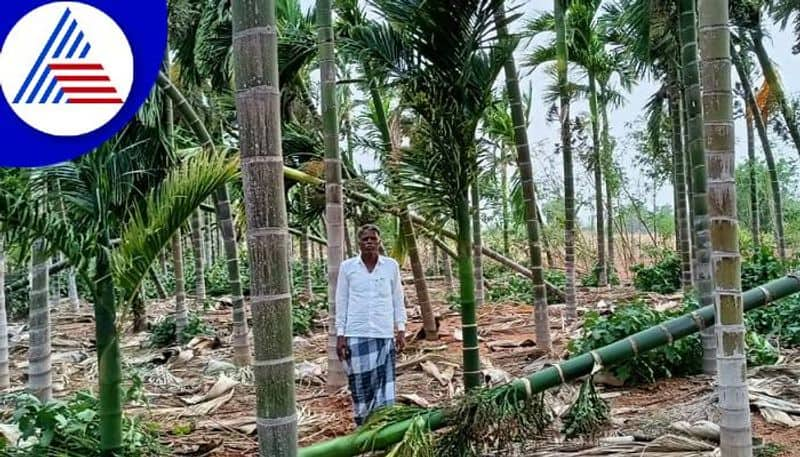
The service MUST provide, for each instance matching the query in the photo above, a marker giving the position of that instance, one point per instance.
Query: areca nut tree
(734, 402)
(390, 139)
(103, 194)
(444, 61)
(334, 211)
(257, 87)
(695, 145)
(525, 166)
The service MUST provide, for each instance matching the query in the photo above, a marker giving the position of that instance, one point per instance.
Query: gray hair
(367, 227)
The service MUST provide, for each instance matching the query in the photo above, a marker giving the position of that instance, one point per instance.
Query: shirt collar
(381, 260)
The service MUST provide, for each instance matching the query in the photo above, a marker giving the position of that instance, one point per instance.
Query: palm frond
(165, 209)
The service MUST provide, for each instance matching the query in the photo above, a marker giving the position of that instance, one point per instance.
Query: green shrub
(72, 428)
(517, 288)
(663, 277)
(163, 333)
(759, 267)
(305, 311)
(592, 279)
(683, 357)
(778, 322)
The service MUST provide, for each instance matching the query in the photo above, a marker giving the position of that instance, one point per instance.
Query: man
(370, 323)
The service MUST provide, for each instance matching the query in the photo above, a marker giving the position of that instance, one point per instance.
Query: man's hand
(341, 348)
(400, 340)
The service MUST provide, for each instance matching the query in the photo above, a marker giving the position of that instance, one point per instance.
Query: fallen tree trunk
(563, 372)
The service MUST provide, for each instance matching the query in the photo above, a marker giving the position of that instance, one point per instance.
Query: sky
(544, 135)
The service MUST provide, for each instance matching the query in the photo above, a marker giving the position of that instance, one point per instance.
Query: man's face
(369, 242)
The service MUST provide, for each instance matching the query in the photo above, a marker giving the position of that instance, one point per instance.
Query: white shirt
(368, 304)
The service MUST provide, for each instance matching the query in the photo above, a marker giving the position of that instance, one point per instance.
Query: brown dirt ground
(323, 416)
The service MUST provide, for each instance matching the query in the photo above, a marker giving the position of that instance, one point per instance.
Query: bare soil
(507, 346)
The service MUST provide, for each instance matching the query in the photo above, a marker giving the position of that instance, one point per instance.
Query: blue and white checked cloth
(371, 375)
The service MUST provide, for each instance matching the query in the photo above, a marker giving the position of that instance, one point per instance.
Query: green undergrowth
(592, 279)
(510, 286)
(587, 415)
(681, 358)
(663, 276)
(71, 427)
(778, 323)
(164, 332)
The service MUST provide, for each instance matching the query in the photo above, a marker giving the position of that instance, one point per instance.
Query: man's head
(369, 239)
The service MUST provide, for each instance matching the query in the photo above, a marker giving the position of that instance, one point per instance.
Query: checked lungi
(370, 374)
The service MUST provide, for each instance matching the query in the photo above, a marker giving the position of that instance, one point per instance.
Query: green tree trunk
(525, 166)
(181, 317)
(477, 243)
(761, 128)
(72, 287)
(198, 249)
(420, 284)
(139, 313)
(566, 150)
(334, 212)
(240, 339)
(40, 382)
(469, 325)
(775, 86)
(5, 382)
(755, 223)
(255, 52)
(304, 259)
(602, 273)
(679, 174)
(109, 363)
(240, 334)
(704, 284)
(735, 425)
(504, 213)
(608, 163)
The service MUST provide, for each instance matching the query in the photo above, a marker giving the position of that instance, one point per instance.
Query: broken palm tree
(523, 389)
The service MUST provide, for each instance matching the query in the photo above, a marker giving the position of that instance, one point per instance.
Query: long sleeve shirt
(369, 304)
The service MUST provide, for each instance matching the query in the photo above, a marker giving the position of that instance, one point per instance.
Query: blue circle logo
(72, 74)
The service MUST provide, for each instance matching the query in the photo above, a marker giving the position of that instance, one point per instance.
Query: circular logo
(70, 78)
(74, 73)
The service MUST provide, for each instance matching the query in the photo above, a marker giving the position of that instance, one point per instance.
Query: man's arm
(398, 300)
(341, 300)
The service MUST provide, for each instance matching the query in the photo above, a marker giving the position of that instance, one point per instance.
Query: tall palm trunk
(469, 325)
(704, 284)
(607, 165)
(447, 266)
(755, 223)
(181, 317)
(334, 212)
(775, 86)
(735, 425)
(224, 219)
(240, 334)
(477, 244)
(255, 52)
(304, 262)
(40, 382)
(72, 288)
(348, 242)
(109, 363)
(4, 374)
(524, 163)
(420, 284)
(761, 128)
(504, 200)
(680, 184)
(602, 274)
(566, 149)
(198, 249)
